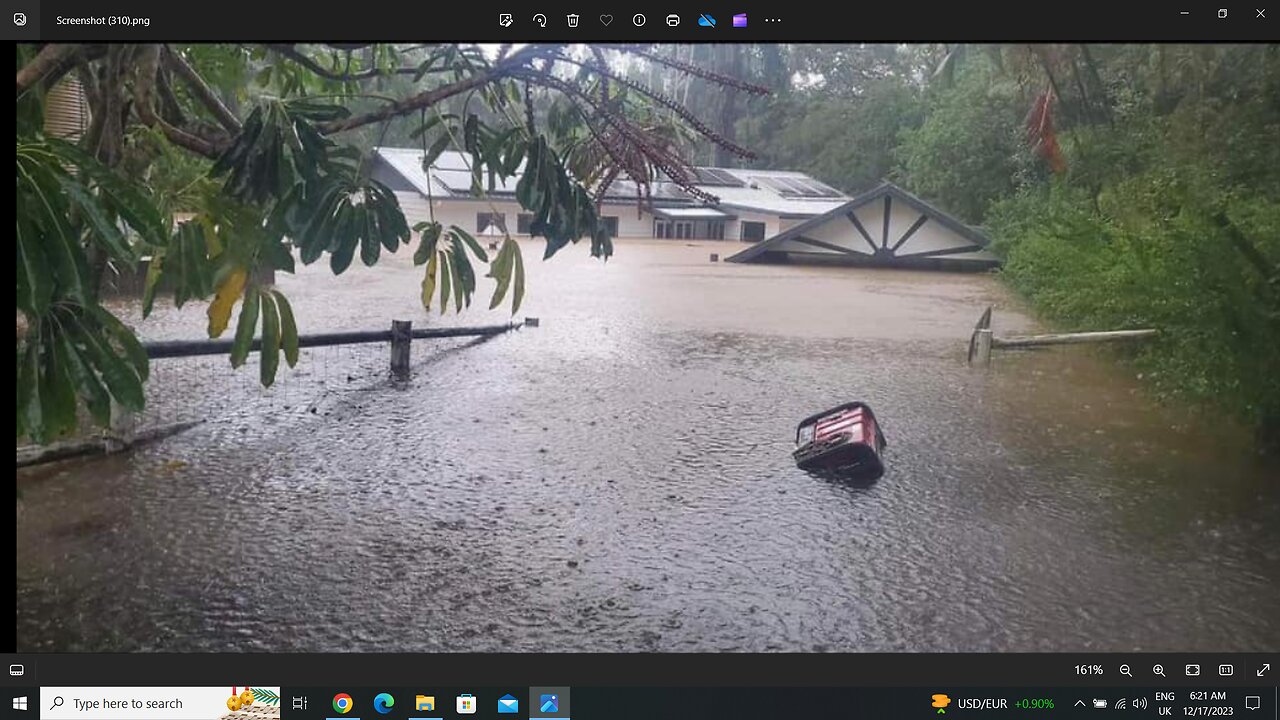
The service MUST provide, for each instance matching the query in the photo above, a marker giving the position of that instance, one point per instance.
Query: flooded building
(885, 226)
(751, 205)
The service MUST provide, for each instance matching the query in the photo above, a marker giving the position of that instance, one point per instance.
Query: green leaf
(459, 284)
(57, 391)
(50, 214)
(138, 210)
(108, 235)
(369, 245)
(346, 237)
(500, 270)
(288, 329)
(518, 278)
(154, 272)
(245, 327)
(278, 255)
(125, 338)
(427, 246)
(95, 395)
(446, 281)
(269, 356)
(120, 377)
(433, 153)
(34, 279)
(471, 243)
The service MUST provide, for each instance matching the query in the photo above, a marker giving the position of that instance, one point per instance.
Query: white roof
(690, 212)
(771, 192)
(760, 190)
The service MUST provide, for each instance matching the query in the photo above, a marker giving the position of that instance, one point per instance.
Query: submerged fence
(192, 382)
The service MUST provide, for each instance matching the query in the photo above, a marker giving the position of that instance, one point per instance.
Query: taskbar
(432, 702)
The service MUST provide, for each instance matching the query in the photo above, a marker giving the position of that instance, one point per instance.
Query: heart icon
(606, 19)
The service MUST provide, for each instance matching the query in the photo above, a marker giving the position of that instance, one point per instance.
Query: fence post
(401, 337)
(982, 351)
(120, 433)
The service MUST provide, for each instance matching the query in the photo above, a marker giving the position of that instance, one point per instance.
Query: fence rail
(982, 341)
(192, 348)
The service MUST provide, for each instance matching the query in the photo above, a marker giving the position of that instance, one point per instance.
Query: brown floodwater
(619, 478)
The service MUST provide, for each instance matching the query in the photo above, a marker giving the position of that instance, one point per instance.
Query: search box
(155, 703)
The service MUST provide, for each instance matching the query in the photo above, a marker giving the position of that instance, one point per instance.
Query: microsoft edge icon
(383, 703)
(508, 704)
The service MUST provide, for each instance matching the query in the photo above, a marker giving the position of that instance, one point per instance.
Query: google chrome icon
(342, 703)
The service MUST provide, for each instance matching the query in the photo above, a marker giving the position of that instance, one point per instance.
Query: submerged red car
(845, 440)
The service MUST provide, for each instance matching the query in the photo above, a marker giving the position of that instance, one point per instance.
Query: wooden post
(982, 349)
(984, 321)
(120, 434)
(401, 338)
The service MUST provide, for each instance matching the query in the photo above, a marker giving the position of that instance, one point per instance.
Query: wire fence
(206, 387)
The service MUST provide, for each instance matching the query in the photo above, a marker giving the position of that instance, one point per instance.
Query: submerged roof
(771, 192)
(886, 189)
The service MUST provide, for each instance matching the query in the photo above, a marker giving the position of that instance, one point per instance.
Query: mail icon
(424, 702)
(508, 704)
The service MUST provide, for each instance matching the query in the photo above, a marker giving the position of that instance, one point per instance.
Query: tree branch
(506, 68)
(148, 67)
(293, 54)
(51, 63)
(202, 91)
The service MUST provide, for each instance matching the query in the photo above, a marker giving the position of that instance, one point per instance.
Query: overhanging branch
(52, 62)
(201, 89)
(505, 68)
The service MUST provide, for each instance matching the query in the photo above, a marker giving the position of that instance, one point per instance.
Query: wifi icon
(1122, 704)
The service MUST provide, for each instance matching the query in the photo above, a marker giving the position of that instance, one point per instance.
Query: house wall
(631, 224)
(733, 229)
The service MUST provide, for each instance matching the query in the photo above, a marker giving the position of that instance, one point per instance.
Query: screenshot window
(631, 361)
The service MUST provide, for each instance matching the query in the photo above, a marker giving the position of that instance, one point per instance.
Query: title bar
(161, 20)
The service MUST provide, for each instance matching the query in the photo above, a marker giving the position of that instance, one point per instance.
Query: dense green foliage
(1166, 213)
